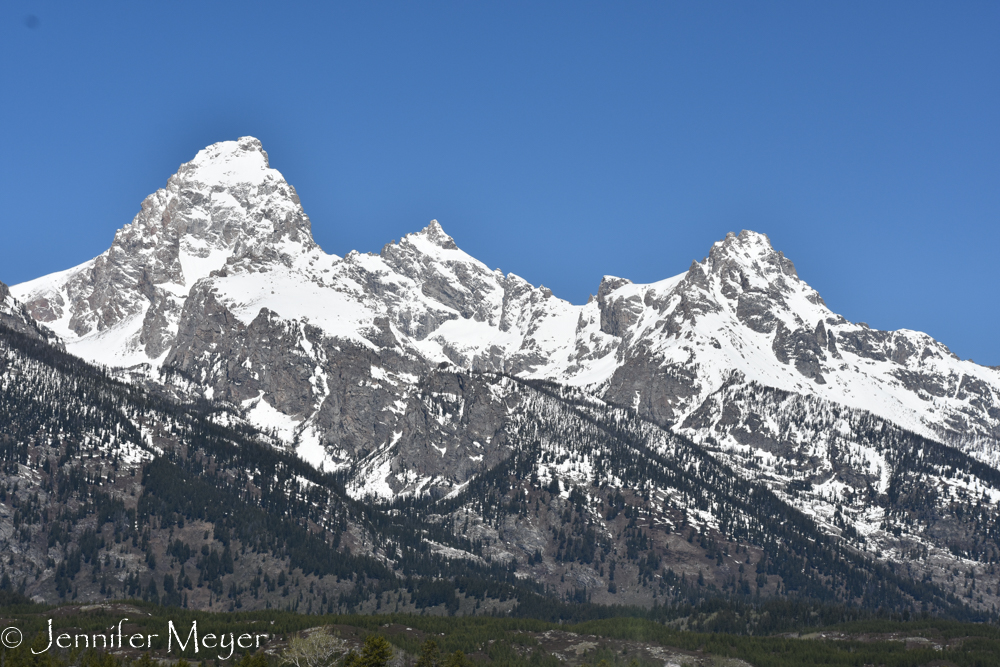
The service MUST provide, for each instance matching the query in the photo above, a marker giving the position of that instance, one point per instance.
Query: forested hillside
(110, 492)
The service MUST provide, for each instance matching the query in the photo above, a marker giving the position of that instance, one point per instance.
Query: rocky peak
(762, 285)
(436, 235)
(445, 274)
(229, 194)
(228, 162)
(752, 252)
(226, 201)
(213, 276)
(617, 314)
(608, 285)
(227, 206)
(425, 247)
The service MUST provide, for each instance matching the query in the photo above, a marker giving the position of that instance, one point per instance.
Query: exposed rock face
(744, 308)
(226, 205)
(415, 371)
(790, 480)
(856, 474)
(217, 289)
(13, 315)
(454, 426)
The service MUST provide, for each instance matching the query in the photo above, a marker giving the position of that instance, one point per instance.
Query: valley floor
(482, 641)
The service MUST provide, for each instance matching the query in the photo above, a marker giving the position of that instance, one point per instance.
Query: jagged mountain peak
(360, 363)
(240, 161)
(609, 284)
(224, 178)
(218, 278)
(428, 243)
(745, 308)
(753, 253)
(434, 233)
(227, 195)
(225, 208)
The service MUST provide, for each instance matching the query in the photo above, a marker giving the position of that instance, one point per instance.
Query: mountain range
(415, 421)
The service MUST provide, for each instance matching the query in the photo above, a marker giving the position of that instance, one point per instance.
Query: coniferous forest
(114, 492)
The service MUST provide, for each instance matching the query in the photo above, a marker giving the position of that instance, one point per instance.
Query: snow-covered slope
(860, 477)
(744, 309)
(14, 316)
(218, 289)
(716, 400)
(122, 307)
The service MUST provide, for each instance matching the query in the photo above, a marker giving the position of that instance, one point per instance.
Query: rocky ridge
(14, 316)
(108, 491)
(218, 289)
(499, 414)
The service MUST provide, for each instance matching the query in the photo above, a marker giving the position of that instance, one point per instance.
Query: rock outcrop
(14, 316)
(217, 290)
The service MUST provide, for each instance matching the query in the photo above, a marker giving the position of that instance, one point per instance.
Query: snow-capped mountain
(727, 401)
(122, 307)
(108, 491)
(744, 309)
(217, 288)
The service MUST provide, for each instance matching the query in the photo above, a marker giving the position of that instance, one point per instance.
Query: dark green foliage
(429, 654)
(507, 642)
(430, 593)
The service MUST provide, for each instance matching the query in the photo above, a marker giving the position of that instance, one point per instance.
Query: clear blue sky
(560, 141)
